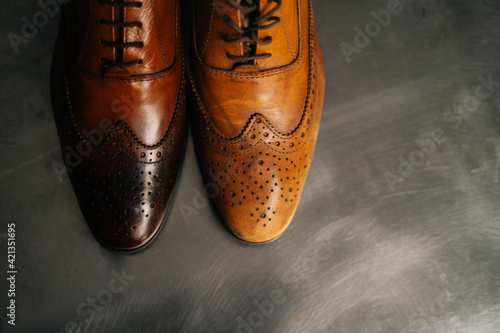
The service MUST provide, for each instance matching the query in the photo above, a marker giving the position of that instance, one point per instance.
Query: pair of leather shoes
(119, 96)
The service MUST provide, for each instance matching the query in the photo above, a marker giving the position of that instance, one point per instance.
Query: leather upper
(98, 91)
(209, 28)
(159, 21)
(256, 124)
(272, 87)
(122, 108)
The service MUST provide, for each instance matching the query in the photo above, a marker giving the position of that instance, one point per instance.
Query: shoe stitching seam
(158, 34)
(174, 123)
(306, 106)
(286, 33)
(86, 34)
(205, 44)
(220, 72)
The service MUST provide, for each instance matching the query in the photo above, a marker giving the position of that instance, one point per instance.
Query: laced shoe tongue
(251, 22)
(116, 71)
(246, 8)
(118, 43)
(246, 68)
(246, 18)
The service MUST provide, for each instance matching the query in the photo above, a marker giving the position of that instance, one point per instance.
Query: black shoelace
(248, 34)
(120, 45)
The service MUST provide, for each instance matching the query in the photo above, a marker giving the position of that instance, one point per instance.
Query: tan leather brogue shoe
(118, 91)
(258, 84)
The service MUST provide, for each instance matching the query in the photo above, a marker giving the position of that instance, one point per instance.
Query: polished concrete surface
(377, 244)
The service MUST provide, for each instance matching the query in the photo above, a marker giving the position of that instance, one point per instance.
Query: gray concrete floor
(377, 245)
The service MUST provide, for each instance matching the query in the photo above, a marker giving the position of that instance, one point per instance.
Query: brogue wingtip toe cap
(126, 234)
(250, 230)
(126, 211)
(256, 193)
(258, 221)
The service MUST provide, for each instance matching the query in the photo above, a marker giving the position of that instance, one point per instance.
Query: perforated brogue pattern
(259, 129)
(259, 175)
(123, 186)
(257, 179)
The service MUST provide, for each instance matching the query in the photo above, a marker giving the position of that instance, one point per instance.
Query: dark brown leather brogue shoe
(258, 84)
(118, 92)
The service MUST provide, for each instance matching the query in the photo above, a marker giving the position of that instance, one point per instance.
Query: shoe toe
(256, 192)
(123, 214)
(124, 189)
(257, 221)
